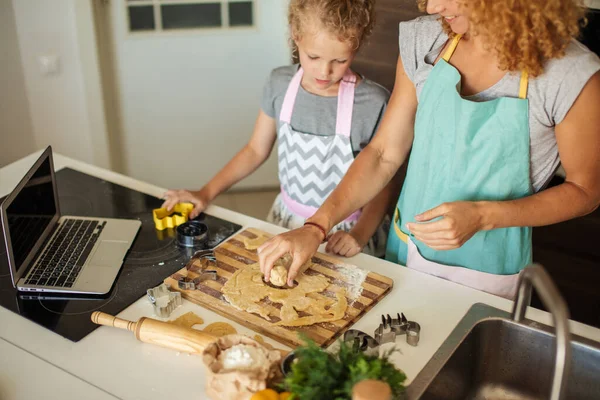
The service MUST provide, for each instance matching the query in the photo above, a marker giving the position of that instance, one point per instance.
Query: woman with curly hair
(491, 95)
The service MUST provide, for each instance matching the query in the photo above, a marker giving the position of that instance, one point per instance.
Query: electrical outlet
(49, 64)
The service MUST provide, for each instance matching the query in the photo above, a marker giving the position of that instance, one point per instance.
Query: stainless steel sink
(491, 356)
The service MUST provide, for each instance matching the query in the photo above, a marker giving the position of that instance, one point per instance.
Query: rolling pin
(160, 333)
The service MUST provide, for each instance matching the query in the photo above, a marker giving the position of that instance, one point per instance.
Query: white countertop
(112, 361)
(24, 376)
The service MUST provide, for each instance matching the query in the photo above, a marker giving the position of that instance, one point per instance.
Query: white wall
(189, 100)
(59, 104)
(16, 132)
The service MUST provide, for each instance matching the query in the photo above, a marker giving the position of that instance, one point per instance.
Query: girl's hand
(301, 244)
(198, 199)
(344, 244)
(459, 222)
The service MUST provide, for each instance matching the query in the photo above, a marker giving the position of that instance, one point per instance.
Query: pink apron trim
(290, 97)
(500, 285)
(307, 211)
(343, 120)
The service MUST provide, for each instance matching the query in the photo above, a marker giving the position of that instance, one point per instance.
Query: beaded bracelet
(319, 227)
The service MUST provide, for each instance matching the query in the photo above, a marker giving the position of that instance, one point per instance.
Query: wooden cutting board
(233, 255)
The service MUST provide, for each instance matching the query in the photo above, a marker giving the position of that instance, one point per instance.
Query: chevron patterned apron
(311, 166)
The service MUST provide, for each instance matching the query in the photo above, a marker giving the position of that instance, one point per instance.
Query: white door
(189, 76)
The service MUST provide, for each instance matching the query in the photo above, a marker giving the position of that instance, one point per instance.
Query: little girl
(322, 114)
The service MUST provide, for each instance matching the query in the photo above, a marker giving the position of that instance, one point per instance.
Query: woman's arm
(246, 161)
(578, 138)
(369, 174)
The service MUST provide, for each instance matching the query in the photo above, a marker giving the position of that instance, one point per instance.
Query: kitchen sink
(489, 355)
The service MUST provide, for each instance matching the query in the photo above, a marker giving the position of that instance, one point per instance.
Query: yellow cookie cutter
(164, 219)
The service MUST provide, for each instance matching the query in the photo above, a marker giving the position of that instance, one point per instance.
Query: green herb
(319, 375)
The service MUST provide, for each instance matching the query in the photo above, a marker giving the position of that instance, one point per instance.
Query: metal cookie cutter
(192, 234)
(204, 274)
(361, 341)
(164, 219)
(163, 300)
(392, 327)
(387, 332)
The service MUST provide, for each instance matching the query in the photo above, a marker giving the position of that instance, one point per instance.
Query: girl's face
(453, 12)
(324, 58)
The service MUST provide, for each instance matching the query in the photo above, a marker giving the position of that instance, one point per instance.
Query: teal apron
(466, 151)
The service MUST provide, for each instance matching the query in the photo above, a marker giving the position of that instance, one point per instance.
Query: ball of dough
(278, 276)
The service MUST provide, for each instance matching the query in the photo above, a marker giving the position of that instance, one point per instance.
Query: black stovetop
(153, 256)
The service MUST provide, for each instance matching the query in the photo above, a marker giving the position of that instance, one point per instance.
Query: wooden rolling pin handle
(160, 333)
(101, 318)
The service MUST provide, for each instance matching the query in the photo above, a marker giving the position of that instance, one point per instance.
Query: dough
(285, 261)
(279, 276)
(188, 320)
(316, 309)
(246, 288)
(254, 243)
(220, 329)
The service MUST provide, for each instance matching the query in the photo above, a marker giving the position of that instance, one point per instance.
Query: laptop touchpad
(109, 254)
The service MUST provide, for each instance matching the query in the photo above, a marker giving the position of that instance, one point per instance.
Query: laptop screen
(30, 213)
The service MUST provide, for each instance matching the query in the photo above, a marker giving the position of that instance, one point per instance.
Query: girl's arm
(351, 243)
(246, 161)
(374, 212)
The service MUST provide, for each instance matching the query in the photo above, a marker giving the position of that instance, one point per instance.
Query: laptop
(50, 252)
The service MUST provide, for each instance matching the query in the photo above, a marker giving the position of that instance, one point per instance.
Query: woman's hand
(198, 199)
(458, 223)
(301, 244)
(344, 244)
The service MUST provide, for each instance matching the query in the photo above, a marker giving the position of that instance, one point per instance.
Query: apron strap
(343, 121)
(290, 97)
(523, 85)
(344, 107)
(401, 235)
(450, 50)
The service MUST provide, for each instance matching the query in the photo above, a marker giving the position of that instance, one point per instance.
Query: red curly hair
(524, 33)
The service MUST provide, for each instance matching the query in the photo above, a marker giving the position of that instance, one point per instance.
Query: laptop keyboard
(61, 262)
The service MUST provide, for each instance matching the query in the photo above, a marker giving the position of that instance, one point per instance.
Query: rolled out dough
(246, 288)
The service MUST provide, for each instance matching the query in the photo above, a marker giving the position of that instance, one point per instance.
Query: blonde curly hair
(524, 33)
(350, 20)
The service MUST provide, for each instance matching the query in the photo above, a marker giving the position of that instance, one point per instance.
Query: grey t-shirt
(317, 114)
(550, 95)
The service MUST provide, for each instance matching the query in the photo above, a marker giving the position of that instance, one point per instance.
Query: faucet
(537, 276)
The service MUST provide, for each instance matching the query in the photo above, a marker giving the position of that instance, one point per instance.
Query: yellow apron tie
(523, 84)
(401, 235)
(451, 48)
